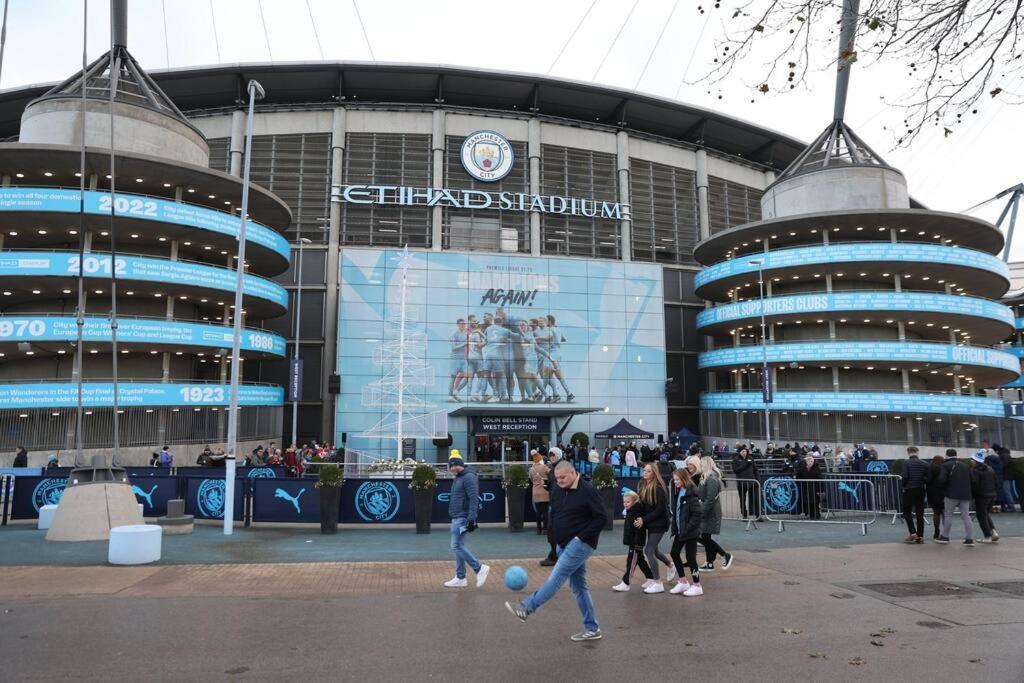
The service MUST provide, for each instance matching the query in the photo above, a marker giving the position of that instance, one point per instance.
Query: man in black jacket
(745, 469)
(20, 457)
(913, 476)
(956, 478)
(985, 490)
(577, 519)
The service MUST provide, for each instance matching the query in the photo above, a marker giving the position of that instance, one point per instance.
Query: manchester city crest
(262, 473)
(487, 156)
(210, 498)
(780, 495)
(377, 501)
(48, 492)
(878, 467)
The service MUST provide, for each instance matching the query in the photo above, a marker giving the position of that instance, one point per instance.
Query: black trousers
(748, 499)
(913, 510)
(937, 512)
(711, 548)
(809, 503)
(542, 515)
(689, 547)
(635, 558)
(983, 511)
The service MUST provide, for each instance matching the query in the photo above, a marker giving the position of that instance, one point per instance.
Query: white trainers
(655, 587)
(456, 583)
(647, 583)
(680, 587)
(481, 576)
(671, 576)
(693, 591)
(621, 587)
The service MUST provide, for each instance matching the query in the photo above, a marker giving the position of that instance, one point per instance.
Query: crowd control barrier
(839, 500)
(741, 501)
(6, 492)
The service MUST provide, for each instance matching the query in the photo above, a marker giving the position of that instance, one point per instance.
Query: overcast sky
(44, 43)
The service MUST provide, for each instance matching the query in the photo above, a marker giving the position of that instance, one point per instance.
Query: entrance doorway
(507, 447)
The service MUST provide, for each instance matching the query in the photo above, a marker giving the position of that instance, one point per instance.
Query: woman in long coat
(710, 490)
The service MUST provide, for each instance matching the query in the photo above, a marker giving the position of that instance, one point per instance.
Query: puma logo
(281, 493)
(147, 496)
(843, 486)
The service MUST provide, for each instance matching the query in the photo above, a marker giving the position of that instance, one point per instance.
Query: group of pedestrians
(949, 486)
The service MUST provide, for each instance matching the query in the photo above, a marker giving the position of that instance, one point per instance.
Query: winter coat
(935, 490)
(538, 475)
(709, 492)
(656, 514)
(464, 498)
(995, 464)
(631, 536)
(744, 468)
(20, 459)
(914, 473)
(985, 487)
(688, 513)
(956, 479)
(801, 472)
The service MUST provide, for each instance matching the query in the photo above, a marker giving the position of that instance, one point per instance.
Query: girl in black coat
(633, 537)
(685, 532)
(936, 493)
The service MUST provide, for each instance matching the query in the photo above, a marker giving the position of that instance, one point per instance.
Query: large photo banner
(501, 331)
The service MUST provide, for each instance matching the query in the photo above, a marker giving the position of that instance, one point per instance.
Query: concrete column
(437, 176)
(5, 180)
(237, 144)
(769, 178)
(94, 181)
(703, 213)
(533, 152)
(87, 242)
(339, 127)
(626, 224)
(179, 192)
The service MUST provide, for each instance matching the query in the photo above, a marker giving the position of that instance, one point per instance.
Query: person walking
(634, 536)
(1006, 460)
(914, 479)
(745, 470)
(538, 479)
(709, 490)
(936, 494)
(809, 476)
(956, 479)
(577, 518)
(685, 532)
(985, 491)
(653, 517)
(463, 504)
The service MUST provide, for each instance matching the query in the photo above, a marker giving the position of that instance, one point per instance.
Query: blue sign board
(65, 394)
(27, 264)
(204, 498)
(153, 493)
(46, 199)
(856, 401)
(876, 302)
(149, 331)
(285, 500)
(861, 252)
(923, 352)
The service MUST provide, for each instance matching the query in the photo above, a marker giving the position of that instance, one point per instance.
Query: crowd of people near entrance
(294, 459)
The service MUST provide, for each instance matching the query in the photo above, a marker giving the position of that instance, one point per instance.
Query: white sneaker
(647, 583)
(621, 587)
(693, 591)
(671, 576)
(680, 587)
(655, 587)
(456, 583)
(481, 576)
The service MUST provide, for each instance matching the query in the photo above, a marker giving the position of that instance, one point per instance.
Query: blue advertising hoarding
(856, 401)
(142, 330)
(502, 330)
(861, 252)
(41, 263)
(46, 199)
(880, 302)
(924, 352)
(94, 394)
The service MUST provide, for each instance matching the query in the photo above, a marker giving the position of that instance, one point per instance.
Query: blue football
(516, 578)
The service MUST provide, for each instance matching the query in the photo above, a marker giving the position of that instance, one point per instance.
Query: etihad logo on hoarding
(487, 156)
(475, 199)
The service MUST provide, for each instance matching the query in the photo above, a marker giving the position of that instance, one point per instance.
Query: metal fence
(6, 495)
(838, 500)
(741, 501)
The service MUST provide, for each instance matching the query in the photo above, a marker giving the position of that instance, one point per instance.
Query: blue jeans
(571, 566)
(462, 554)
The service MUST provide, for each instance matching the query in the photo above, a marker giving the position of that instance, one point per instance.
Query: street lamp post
(766, 378)
(295, 353)
(256, 92)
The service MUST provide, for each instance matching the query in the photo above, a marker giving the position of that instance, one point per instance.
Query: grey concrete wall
(836, 189)
(184, 454)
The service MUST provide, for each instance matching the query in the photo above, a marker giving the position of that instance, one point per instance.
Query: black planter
(330, 497)
(423, 502)
(608, 496)
(516, 508)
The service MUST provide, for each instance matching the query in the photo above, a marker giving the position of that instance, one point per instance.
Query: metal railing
(841, 500)
(741, 501)
(6, 496)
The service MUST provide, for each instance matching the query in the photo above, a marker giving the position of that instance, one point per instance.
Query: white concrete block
(135, 544)
(46, 514)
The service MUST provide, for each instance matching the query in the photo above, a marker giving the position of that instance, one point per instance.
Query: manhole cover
(1012, 587)
(916, 589)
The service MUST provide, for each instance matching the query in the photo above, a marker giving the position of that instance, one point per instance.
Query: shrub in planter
(329, 481)
(424, 480)
(896, 467)
(603, 480)
(580, 438)
(516, 482)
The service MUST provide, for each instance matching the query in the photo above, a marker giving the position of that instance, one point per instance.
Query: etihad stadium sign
(475, 199)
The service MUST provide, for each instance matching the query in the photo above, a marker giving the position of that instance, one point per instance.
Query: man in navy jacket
(577, 518)
(463, 503)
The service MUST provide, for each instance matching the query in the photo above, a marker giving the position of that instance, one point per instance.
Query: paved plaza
(272, 604)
